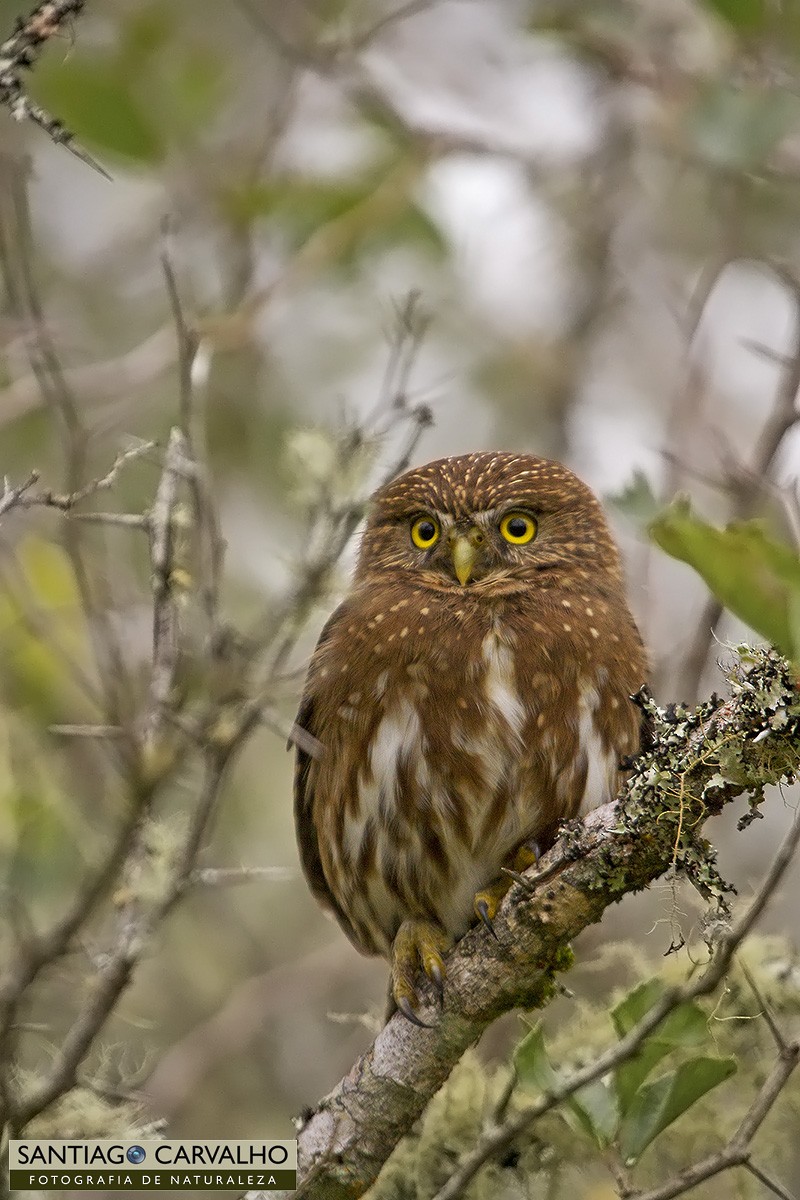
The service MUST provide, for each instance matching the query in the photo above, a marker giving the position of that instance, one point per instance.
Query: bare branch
(23, 496)
(211, 542)
(112, 381)
(165, 616)
(233, 876)
(17, 259)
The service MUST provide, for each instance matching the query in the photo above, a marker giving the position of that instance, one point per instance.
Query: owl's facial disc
(465, 550)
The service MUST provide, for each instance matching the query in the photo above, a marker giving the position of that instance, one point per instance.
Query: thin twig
(23, 496)
(165, 615)
(774, 1187)
(87, 731)
(216, 877)
(766, 1011)
(211, 543)
(17, 252)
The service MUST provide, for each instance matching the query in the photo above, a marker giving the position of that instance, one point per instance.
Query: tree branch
(698, 761)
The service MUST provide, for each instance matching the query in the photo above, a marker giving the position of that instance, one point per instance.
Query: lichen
(698, 759)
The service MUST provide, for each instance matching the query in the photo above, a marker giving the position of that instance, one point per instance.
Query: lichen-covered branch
(696, 762)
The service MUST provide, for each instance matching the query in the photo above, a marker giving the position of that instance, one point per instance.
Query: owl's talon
(417, 944)
(527, 855)
(482, 909)
(488, 900)
(404, 1006)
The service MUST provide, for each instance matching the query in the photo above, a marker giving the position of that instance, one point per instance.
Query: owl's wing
(304, 777)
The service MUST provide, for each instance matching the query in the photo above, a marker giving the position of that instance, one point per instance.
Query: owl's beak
(464, 550)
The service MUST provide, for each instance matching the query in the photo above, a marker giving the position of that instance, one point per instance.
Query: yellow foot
(417, 944)
(488, 899)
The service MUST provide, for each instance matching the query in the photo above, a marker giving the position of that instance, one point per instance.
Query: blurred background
(598, 205)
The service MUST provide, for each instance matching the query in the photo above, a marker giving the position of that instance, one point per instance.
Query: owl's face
(481, 520)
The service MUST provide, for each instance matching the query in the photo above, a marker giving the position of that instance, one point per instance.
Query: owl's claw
(417, 944)
(404, 1006)
(488, 900)
(482, 908)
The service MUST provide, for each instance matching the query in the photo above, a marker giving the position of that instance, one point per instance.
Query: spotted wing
(304, 780)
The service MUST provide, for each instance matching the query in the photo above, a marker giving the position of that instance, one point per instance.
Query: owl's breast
(442, 755)
(441, 789)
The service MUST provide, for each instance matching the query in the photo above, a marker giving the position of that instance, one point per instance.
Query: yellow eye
(518, 528)
(425, 532)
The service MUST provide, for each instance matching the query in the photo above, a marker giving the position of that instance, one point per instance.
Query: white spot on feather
(603, 768)
(398, 735)
(500, 682)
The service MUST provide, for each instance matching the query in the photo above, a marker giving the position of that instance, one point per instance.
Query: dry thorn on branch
(19, 53)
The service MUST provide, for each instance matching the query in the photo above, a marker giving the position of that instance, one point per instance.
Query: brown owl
(470, 693)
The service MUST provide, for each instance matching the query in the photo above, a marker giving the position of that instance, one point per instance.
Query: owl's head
(491, 520)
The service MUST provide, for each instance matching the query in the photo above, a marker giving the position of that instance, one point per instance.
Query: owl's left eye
(425, 532)
(518, 528)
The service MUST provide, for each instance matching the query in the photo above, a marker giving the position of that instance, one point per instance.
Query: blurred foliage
(750, 571)
(626, 1109)
(754, 575)
(568, 1149)
(152, 89)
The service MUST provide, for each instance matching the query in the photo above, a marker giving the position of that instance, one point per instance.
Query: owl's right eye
(425, 533)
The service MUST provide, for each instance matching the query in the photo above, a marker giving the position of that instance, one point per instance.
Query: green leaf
(685, 1026)
(532, 1064)
(633, 1007)
(739, 127)
(757, 578)
(593, 1110)
(746, 16)
(144, 33)
(95, 104)
(196, 91)
(661, 1102)
(637, 501)
(596, 1109)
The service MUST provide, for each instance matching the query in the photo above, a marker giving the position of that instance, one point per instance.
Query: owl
(471, 692)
